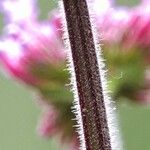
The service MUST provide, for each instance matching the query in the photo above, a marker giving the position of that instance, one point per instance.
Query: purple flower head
(137, 31)
(11, 54)
(34, 43)
(32, 51)
(47, 125)
(113, 24)
(19, 10)
(102, 7)
(143, 95)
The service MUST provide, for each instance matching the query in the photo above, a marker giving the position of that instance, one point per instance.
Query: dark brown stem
(91, 99)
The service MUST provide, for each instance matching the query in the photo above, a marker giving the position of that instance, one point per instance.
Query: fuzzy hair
(70, 66)
(109, 104)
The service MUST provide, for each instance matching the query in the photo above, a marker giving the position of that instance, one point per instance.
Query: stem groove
(88, 79)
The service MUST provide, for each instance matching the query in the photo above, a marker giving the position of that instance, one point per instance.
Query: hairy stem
(88, 79)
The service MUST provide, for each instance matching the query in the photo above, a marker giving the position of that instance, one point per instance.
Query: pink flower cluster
(28, 40)
(137, 32)
(131, 26)
(27, 43)
(129, 30)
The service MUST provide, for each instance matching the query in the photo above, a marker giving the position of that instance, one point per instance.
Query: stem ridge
(90, 91)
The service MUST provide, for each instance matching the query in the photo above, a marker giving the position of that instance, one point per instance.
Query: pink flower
(19, 10)
(129, 26)
(101, 8)
(29, 45)
(11, 54)
(47, 125)
(143, 95)
(137, 32)
(55, 20)
(32, 51)
(112, 25)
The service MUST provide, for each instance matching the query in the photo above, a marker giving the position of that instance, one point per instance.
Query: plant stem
(87, 74)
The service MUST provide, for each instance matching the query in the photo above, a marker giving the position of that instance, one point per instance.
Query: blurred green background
(19, 114)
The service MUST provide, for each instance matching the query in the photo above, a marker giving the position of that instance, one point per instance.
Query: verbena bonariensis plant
(33, 51)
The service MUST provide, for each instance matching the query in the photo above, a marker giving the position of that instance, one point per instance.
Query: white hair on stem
(76, 106)
(112, 120)
(109, 104)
